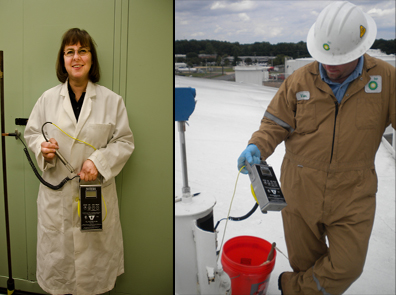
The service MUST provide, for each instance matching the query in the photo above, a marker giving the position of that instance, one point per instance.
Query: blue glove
(251, 154)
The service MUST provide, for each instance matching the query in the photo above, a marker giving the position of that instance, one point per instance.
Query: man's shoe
(283, 279)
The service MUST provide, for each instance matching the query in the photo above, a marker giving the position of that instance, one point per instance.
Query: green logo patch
(374, 85)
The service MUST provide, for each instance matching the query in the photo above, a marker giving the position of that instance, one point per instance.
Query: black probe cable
(237, 219)
(47, 184)
(241, 217)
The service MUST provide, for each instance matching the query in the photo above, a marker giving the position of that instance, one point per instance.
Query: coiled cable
(66, 179)
(47, 184)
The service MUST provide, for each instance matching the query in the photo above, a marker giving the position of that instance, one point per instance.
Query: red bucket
(242, 258)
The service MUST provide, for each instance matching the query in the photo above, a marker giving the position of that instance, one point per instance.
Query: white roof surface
(225, 116)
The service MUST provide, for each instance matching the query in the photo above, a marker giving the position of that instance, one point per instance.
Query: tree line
(223, 49)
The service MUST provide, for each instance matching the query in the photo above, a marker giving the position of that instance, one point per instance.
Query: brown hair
(72, 37)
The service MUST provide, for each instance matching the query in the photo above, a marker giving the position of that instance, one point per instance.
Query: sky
(271, 21)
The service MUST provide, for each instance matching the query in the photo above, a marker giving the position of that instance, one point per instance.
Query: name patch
(303, 95)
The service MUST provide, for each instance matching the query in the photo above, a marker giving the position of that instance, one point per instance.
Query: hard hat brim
(322, 56)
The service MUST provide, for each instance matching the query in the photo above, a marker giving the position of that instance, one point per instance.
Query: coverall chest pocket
(306, 118)
(50, 209)
(368, 112)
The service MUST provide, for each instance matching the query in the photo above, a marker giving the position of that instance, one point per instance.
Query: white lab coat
(70, 261)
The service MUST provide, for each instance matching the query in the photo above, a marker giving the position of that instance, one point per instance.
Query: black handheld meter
(266, 187)
(91, 205)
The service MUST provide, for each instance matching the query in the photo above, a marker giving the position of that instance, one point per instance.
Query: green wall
(135, 46)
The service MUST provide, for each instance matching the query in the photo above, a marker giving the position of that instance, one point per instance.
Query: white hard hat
(341, 34)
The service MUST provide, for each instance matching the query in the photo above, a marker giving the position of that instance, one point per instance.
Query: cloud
(243, 31)
(314, 13)
(381, 12)
(198, 34)
(265, 32)
(218, 5)
(244, 17)
(273, 21)
(218, 29)
(233, 6)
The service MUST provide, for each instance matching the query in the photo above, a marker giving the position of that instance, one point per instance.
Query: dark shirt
(77, 105)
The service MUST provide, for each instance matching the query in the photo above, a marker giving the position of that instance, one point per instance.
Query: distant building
(251, 74)
(180, 65)
(258, 59)
(186, 70)
(203, 56)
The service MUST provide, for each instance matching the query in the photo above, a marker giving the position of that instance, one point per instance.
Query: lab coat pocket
(110, 204)
(98, 135)
(306, 118)
(50, 209)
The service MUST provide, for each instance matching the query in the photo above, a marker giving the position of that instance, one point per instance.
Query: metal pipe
(10, 281)
(186, 192)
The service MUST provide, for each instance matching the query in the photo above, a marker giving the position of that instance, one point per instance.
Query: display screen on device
(90, 194)
(265, 171)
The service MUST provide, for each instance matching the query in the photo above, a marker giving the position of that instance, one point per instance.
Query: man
(331, 114)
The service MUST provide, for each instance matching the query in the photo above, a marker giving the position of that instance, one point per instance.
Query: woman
(70, 260)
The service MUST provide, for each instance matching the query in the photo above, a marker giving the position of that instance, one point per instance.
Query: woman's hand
(48, 149)
(88, 171)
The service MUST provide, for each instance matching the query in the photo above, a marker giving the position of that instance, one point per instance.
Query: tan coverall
(328, 176)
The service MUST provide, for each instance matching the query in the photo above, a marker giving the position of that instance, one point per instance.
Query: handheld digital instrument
(266, 187)
(91, 205)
